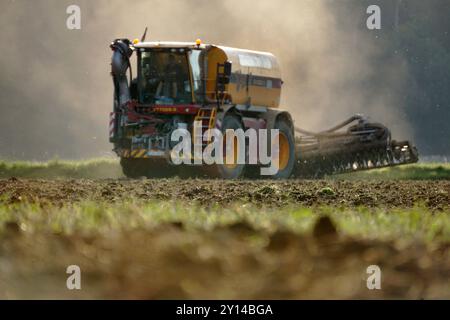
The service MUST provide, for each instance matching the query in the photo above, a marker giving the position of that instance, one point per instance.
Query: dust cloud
(56, 91)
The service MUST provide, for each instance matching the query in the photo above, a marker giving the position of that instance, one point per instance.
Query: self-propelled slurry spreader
(198, 87)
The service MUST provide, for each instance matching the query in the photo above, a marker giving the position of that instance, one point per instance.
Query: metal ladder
(207, 117)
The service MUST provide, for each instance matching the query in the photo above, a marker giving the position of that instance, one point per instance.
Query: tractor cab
(168, 73)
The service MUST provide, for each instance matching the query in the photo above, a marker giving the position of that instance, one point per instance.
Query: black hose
(333, 129)
(125, 54)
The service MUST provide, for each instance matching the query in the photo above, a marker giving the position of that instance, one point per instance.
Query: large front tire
(231, 170)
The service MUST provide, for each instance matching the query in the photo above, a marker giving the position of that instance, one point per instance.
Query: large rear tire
(286, 155)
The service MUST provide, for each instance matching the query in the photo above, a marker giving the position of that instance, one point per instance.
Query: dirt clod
(325, 229)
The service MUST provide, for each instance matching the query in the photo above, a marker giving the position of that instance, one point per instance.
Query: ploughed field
(199, 238)
(434, 195)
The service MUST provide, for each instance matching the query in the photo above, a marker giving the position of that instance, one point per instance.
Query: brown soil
(402, 194)
(234, 262)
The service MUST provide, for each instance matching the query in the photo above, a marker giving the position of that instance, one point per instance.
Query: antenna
(144, 35)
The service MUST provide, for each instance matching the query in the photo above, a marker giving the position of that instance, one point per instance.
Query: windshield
(164, 77)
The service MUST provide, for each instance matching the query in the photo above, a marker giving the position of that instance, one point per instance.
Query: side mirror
(223, 75)
(227, 71)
